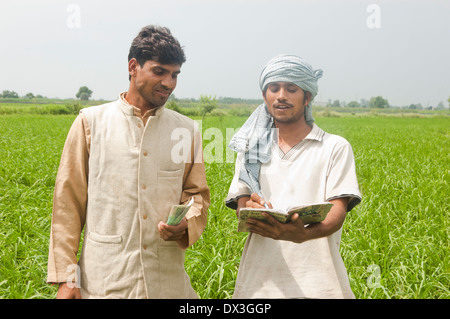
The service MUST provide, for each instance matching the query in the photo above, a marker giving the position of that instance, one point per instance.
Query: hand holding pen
(257, 201)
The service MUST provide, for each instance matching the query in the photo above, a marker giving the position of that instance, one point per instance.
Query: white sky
(228, 42)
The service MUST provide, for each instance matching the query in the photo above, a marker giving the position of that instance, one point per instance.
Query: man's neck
(290, 134)
(135, 99)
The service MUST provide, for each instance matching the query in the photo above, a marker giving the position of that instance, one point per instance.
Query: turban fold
(254, 138)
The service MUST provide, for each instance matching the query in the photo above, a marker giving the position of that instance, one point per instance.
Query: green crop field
(395, 244)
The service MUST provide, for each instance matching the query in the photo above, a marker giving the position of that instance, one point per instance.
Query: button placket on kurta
(142, 189)
(138, 127)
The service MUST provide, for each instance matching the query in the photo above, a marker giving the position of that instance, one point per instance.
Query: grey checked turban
(255, 137)
(291, 68)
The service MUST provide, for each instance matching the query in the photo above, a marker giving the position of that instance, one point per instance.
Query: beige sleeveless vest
(134, 178)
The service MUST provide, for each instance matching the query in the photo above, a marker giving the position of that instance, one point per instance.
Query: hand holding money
(178, 233)
(175, 229)
(178, 212)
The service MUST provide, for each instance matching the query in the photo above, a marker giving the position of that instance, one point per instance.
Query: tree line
(84, 94)
(209, 103)
(379, 102)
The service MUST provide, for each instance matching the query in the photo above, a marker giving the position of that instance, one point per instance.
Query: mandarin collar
(129, 109)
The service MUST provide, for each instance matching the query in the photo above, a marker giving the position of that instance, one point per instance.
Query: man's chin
(287, 120)
(284, 120)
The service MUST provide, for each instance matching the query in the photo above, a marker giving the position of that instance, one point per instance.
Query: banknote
(178, 212)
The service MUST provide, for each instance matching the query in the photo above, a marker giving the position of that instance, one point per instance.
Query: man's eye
(274, 88)
(158, 71)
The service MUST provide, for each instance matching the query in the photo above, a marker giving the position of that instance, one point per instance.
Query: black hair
(157, 44)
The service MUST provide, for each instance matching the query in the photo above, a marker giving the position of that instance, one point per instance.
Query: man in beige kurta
(123, 166)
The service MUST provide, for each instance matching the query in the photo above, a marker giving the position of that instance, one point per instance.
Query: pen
(265, 204)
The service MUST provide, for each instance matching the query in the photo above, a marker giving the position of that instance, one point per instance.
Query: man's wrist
(183, 243)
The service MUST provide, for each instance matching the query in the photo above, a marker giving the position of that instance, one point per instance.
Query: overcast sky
(399, 49)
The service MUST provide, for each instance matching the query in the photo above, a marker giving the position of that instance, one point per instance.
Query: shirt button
(144, 246)
(144, 187)
(144, 216)
(145, 153)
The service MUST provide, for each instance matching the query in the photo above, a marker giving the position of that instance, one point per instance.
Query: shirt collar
(316, 134)
(132, 110)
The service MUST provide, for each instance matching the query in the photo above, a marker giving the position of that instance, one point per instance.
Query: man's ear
(264, 96)
(307, 98)
(132, 67)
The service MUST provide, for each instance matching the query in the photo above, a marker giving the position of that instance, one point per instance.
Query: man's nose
(282, 94)
(169, 82)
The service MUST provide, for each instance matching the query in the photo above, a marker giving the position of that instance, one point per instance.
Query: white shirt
(320, 168)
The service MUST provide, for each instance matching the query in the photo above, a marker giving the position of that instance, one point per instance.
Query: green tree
(336, 103)
(84, 93)
(448, 101)
(378, 102)
(10, 94)
(207, 104)
(353, 104)
(172, 104)
(417, 106)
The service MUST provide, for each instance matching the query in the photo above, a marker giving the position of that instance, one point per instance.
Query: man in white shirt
(307, 165)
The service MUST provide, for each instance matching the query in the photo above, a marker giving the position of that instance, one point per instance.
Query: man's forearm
(241, 203)
(332, 223)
